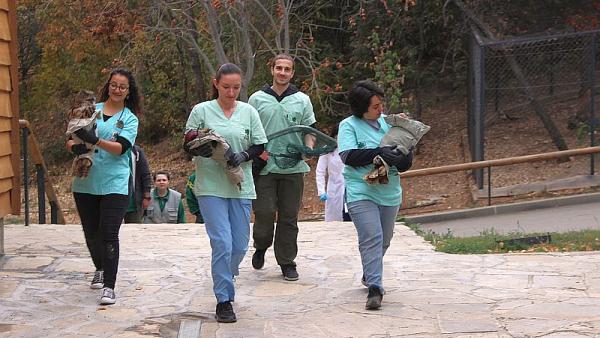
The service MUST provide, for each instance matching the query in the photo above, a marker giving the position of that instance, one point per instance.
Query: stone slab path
(164, 279)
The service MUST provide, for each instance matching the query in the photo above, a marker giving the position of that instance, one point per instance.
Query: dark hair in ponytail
(225, 69)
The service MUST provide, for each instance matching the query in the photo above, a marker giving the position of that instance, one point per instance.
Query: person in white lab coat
(330, 165)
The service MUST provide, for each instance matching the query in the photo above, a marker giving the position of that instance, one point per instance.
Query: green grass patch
(10, 219)
(491, 242)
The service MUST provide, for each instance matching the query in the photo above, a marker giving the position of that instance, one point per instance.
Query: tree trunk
(195, 62)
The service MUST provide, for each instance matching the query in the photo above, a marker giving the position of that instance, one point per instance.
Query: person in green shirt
(191, 199)
(280, 106)
(166, 205)
(225, 205)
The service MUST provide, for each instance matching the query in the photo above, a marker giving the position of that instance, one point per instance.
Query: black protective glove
(204, 150)
(406, 163)
(392, 156)
(79, 149)
(235, 159)
(88, 136)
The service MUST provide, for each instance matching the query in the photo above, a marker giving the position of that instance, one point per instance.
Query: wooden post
(500, 162)
(15, 195)
(1, 237)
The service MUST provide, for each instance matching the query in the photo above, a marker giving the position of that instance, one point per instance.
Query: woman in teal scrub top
(372, 207)
(225, 206)
(102, 196)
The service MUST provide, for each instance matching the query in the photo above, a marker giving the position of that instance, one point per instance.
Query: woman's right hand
(79, 149)
(204, 150)
(391, 155)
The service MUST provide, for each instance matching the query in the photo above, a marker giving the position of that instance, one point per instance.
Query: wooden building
(10, 187)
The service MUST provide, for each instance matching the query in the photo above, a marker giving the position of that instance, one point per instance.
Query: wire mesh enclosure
(548, 80)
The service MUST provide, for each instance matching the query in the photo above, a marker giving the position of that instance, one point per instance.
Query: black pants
(101, 217)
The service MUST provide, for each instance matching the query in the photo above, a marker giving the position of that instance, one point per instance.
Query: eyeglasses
(114, 86)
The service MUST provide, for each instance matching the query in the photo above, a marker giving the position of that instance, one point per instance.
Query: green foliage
(69, 45)
(166, 86)
(387, 71)
(587, 240)
(491, 242)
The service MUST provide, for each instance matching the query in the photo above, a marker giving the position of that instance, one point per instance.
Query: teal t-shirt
(110, 173)
(241, 131)
(356, 133)
(295, 109)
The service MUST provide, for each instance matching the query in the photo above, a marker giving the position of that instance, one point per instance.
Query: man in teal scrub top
(279, 190)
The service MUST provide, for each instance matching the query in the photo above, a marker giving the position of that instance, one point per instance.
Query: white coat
(331, 165)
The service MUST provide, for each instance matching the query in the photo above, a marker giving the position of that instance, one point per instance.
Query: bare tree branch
(215, 32)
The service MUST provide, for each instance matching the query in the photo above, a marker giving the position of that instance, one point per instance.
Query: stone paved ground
(164, 278)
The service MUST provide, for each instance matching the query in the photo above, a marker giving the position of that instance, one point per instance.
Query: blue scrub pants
(375, 227)
(227, 222)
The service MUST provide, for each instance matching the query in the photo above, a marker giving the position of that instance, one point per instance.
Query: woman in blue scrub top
(372, 207)
(102, 197)
(225, 206)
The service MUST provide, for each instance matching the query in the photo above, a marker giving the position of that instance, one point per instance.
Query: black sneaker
(225, 313)
(258, 259)
(374, 298)
(98, 280)
(289, 272)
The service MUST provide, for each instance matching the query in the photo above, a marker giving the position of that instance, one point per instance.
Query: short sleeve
(252, 100)
(308, 116)
(346, 137)
(196, 119)
(130, 128)
(258, 135)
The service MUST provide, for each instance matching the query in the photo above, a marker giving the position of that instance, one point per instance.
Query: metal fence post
(478, 105)
(489, 179)
(470, 96)
(25, 174)
(593, 102)
(53, 213)
(41, 194)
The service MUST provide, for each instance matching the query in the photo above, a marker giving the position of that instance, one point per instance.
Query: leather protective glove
(88, 136)
(391, 156)
(204, 150)
(235, 159)
(79, 149)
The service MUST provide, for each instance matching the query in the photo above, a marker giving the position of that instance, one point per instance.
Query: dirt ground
(445, 144)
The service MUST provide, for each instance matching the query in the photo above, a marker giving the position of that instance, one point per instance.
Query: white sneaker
(98, 280)
(108, 296)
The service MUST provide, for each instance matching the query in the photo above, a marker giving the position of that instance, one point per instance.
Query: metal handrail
(44, 185)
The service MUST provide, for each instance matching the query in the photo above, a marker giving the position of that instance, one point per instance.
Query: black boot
(225, 313)
(374, 298)
(258, 259)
